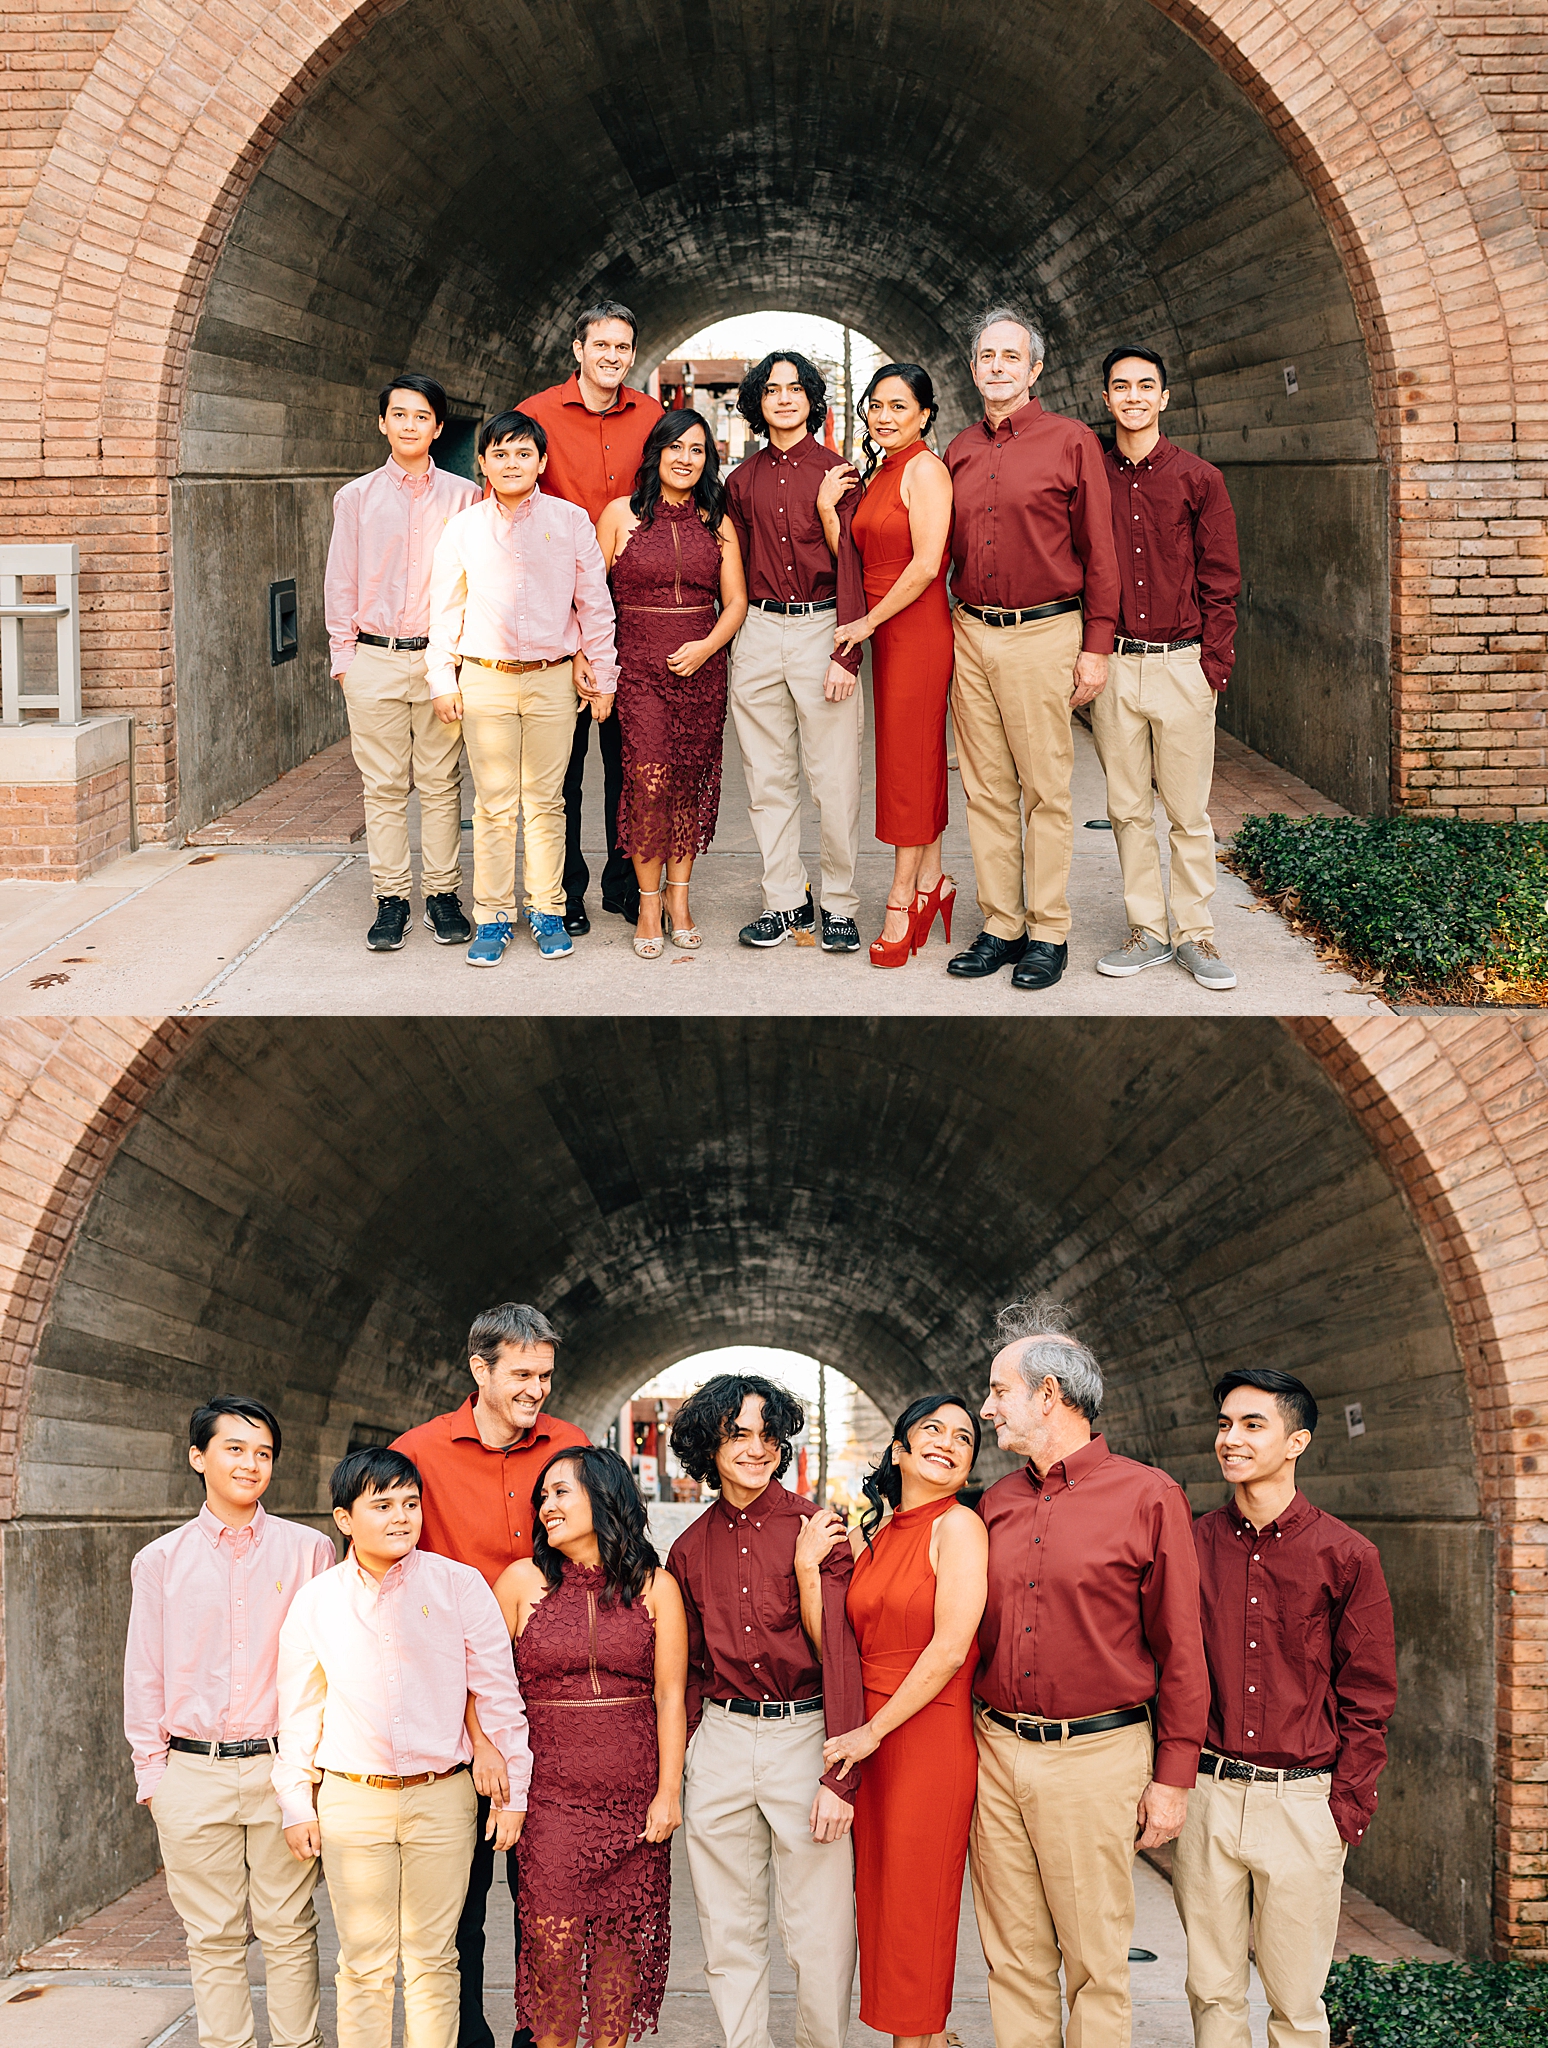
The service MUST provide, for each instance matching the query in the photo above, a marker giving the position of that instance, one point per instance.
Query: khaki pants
(224, 1848)
(519, 731)
(1156, 721)
(1010, 710)
(747, 1798)
(397, 1865)
(784, 723)
(1265, 1861)
(1052, 1855)
(393, 730)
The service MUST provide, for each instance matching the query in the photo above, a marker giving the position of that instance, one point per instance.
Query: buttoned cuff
(148, 1777)
(845, 1787)
(1177, 1764)
(1216, 677)
(340, 654)
(1096, 635)
(1349, 1817)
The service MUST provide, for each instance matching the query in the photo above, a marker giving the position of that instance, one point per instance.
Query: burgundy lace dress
(595, 1930)
(666, 586)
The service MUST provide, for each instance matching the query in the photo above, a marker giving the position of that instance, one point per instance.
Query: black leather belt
(1212, 1766)
(769, 604)
(992, 616)
(771, 1710)
(257, 1745)
(1125, 646)
(394, 646)
(1032, 1729)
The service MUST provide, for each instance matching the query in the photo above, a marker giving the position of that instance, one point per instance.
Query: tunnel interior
(472, 172)
(314, 1212)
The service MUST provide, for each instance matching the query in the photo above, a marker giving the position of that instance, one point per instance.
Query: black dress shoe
(1040, 966)
(628, 907)
(986, 955)
(576, 922)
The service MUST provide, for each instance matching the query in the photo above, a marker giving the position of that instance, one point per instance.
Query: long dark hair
(617, 1515)
(709, 493)
(883, 1488)
(749, 398)
(919, 382)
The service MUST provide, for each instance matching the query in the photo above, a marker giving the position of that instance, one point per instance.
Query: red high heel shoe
(925, 908)
(898, 952)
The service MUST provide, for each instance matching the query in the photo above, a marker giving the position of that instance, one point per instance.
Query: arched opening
(315, 1210)
(473, 171)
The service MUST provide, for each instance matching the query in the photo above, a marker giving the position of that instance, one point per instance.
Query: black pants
(618, 883)
(473, 2030)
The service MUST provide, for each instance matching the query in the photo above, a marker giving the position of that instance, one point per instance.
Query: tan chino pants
(1010, 710)
(1052, 1856)
(1263, 1862)
(519, 731)
(1156, 721)
(224, 1848)
(393, 734)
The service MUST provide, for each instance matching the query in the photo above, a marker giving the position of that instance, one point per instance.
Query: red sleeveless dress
(916, 1794)
(911, 662)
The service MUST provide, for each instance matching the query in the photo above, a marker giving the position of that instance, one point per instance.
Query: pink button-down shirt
(374, 1678)
(532, 587)
(385, 529)
(204, 1623)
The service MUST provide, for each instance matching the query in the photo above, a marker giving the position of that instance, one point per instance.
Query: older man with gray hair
(1035, 578)
(1092, 1693)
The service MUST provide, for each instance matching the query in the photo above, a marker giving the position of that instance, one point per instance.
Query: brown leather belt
(1124, 645)
(514, 668)
(381, 1784)
(1031, 1728)
(1230, 1767)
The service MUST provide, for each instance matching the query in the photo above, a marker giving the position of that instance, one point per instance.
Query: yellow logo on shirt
(425, 1612)
(279, 1586)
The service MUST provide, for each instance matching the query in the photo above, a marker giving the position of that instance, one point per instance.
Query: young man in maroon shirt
(1303, 1680)
(1175, 535)
(479, 1465)
(773, 1669)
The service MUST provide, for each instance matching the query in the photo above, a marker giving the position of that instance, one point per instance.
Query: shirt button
(1254, 1601)
(1252, 1688)
(1252, 1733)
(747, 1630)
(1255, 1558)
(1252, 1646)
(1027, 1630)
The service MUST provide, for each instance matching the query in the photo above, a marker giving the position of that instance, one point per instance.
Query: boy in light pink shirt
(201, 1711)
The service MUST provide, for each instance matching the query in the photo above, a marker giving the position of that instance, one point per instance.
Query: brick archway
(174, 112)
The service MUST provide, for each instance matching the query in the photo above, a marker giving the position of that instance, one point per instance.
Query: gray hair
(1042, 1328)
(512, 1322)
(1017, 319)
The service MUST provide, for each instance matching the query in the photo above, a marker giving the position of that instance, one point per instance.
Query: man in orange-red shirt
(597, 427)
(479, 1465)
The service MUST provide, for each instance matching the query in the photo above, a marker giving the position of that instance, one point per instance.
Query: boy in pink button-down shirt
(201, 1710)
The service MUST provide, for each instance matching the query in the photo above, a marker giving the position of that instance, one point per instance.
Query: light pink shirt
(204, 1623)
(385, 529)
(374, 1678)
(529, 588)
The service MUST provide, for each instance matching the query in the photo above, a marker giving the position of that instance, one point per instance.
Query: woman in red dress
(902, 528)
(915, 1600)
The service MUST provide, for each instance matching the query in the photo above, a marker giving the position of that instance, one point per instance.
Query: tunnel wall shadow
(888, 169)
(313, 1211)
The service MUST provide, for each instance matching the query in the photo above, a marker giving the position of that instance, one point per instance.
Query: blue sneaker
(490, 942)
(553, 941)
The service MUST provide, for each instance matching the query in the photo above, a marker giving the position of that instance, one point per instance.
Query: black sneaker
(775, 926)
(444, 919)
(839, 934)
(391, 926)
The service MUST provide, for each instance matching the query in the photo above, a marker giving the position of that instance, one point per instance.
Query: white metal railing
(62, 561)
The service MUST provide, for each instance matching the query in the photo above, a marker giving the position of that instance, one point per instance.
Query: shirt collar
(395, 1575)
(465, 1429)
(1018, 421)
(1077, 1466)
(397, 474)
(807, 442)
(769, 1502)
(1300, 1510)
(523, 511)
(623, 399)
(212, 1528)
(1158, 457)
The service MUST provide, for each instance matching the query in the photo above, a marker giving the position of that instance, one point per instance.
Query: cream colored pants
(1265, 1862)
(226, 1856)
(1010, 710)
(1156, 721)
(1052, 1856)
(397, 1865)
(784, 723)
(393, 733)
(747, 1801)
(519, 731)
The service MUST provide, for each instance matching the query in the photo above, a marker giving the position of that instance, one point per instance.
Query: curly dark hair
(709, 493)
(749, 399)
(706, 1419)
(617, 1515)
(883, 1488)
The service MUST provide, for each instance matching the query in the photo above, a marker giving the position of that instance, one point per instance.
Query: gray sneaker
(1143, 950)
(1201, 960)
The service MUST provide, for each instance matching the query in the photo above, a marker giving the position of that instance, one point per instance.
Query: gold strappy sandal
(649, 949)
(688, 936)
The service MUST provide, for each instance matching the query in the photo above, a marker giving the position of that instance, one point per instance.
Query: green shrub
(1437, 2005)
(1443, 904)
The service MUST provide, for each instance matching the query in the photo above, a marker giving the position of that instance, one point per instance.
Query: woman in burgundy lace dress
(602, 1655)
(674, 557)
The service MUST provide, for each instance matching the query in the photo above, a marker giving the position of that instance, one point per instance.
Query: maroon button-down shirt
(1175, 533)
(1032, 519)
(736, 1568)
(772, 500)
(1094, 1600)
(478, 1502)
(1302, 1665)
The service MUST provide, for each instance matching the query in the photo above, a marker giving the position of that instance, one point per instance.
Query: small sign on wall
(1292, 381)
(1354, 1418)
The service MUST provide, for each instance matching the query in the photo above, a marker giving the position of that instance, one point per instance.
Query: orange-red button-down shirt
(592, 456)
(478, 1502)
